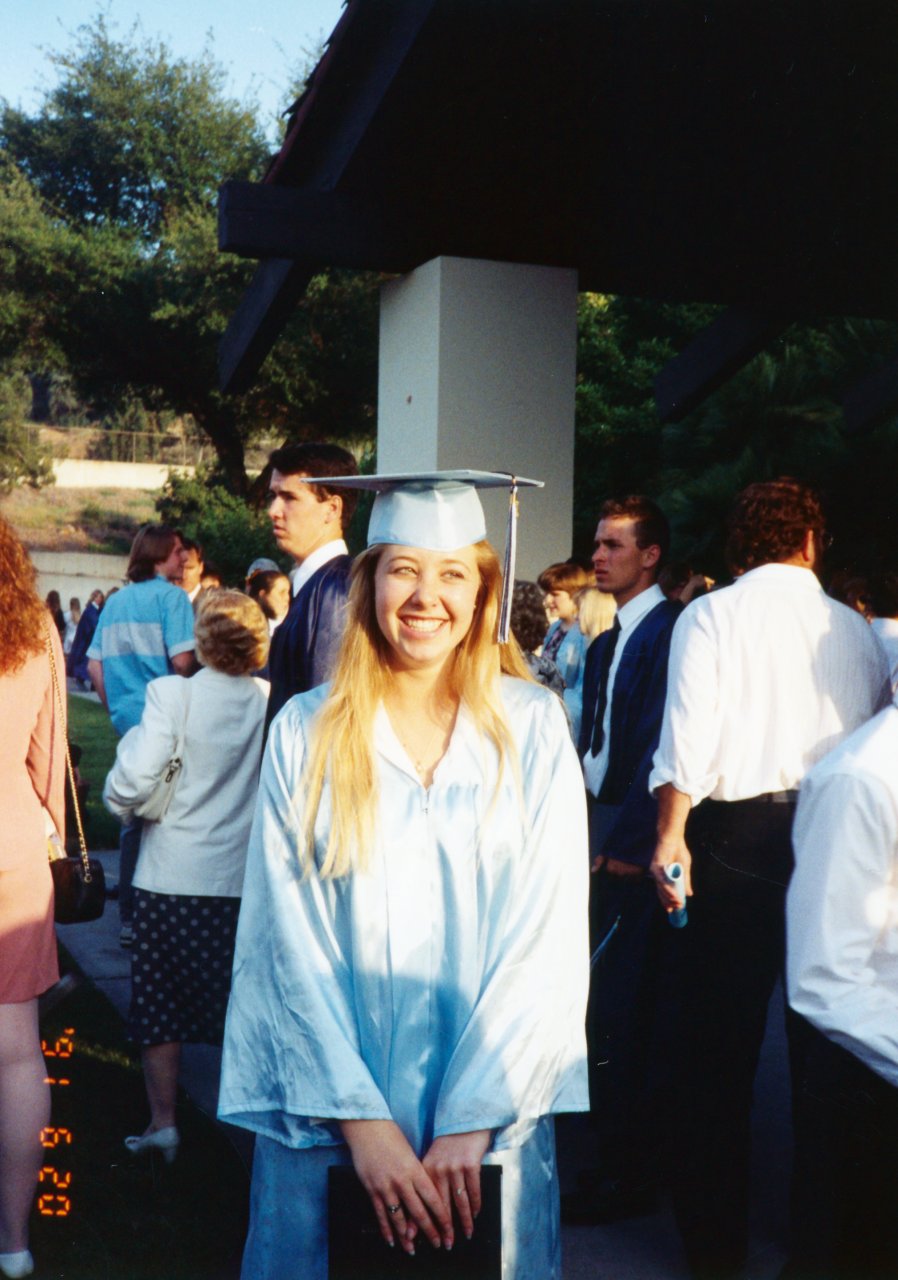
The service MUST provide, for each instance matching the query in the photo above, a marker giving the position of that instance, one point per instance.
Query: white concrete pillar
(477, 369)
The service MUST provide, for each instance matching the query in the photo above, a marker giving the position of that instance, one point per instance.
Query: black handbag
(79, 883)
(79, 888)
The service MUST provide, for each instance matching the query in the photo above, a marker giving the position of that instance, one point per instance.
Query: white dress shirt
(312, 563)
(886, 632)
(765, 677)
(842, 907)
(629, 616)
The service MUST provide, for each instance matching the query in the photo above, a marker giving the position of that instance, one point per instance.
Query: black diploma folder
(357, 1251)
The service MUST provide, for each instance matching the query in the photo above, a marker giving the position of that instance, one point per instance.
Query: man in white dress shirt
(766, 676)
(309, 521)
(842, 926)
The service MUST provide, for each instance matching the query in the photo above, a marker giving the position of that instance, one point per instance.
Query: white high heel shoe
(164, 1140)
(15, 1265)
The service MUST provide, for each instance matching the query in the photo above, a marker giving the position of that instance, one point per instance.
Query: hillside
(53, 519)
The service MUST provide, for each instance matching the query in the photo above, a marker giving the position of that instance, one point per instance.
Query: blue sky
(258, 42)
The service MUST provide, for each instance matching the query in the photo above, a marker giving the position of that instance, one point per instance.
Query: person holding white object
(766, 676)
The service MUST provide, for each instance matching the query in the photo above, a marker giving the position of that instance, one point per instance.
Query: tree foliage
(22, 461)
(113, 275)
(231, 532)
(131, 135)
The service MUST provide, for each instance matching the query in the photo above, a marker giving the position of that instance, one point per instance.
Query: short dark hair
(651, 528)
(263, 580)
(152, 544)
(318, 458)
(529, 620)
(769, 521)
(191, 544)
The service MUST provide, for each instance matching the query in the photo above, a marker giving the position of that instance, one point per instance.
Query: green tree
(622, 343)
(231, 532)
(116, 269)
(22, 461)
(131, 134)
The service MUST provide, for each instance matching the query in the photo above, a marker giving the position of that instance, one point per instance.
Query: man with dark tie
(308, 522)
(623, 701)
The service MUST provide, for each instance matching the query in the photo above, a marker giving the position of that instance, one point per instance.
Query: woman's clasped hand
(411, 1195)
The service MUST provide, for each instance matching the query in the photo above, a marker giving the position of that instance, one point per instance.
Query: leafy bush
(231, 533)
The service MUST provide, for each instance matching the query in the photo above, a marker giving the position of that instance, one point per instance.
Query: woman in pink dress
(32, 767)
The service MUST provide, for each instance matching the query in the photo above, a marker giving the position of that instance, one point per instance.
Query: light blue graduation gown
(444, 987)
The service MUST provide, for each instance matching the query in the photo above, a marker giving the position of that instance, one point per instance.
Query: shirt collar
(797, 576)
(319, 557)
(634, 610)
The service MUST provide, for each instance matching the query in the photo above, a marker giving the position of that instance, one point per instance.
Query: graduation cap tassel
(511, 547)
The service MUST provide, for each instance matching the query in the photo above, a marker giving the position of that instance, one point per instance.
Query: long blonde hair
(595, 611)
(341, 748)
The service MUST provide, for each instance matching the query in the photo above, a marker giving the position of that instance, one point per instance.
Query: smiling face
(301, 520)
(622, 567)
(560, 604)
(425, 602)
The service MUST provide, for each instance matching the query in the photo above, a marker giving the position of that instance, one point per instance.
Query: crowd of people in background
(691, 746)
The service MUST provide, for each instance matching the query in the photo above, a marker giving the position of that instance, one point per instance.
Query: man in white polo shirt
(765, 677)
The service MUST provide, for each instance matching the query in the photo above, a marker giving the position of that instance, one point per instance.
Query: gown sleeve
(291, 1050)
(522, 1054)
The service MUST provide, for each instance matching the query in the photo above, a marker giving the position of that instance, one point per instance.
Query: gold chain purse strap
(68, 759)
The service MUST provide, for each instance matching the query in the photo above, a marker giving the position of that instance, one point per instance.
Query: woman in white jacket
(189, 875)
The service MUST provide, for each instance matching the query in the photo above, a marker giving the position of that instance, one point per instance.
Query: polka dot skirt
(181, 967)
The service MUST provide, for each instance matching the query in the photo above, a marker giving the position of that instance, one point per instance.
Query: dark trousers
(845, 1188)
(630, 1027)
(734, 951)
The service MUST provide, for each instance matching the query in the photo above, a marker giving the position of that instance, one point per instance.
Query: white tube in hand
(673, 874)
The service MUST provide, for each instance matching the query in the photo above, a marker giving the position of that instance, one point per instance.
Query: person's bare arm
(673, 809)
(95, 674)
(185, 664)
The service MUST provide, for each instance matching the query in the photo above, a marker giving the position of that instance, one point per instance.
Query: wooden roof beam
(711, 358)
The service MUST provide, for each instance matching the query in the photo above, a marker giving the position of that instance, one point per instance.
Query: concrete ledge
(77, 473)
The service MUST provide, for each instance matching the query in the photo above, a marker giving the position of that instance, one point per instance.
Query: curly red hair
(23, 614)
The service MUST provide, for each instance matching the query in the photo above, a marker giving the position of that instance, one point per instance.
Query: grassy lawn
(90, 728)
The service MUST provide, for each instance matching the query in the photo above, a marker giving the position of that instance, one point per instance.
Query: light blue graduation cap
(438, 511)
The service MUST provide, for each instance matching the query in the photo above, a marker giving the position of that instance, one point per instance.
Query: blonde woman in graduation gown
(410, 978)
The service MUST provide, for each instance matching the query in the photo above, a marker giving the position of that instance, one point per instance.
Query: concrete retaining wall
(77, 573)
(76, 473)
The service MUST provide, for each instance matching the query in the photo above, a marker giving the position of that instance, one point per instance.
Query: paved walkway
(640, 1249)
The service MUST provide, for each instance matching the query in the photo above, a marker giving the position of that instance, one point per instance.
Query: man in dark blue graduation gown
(309, 522)
(623, 703)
